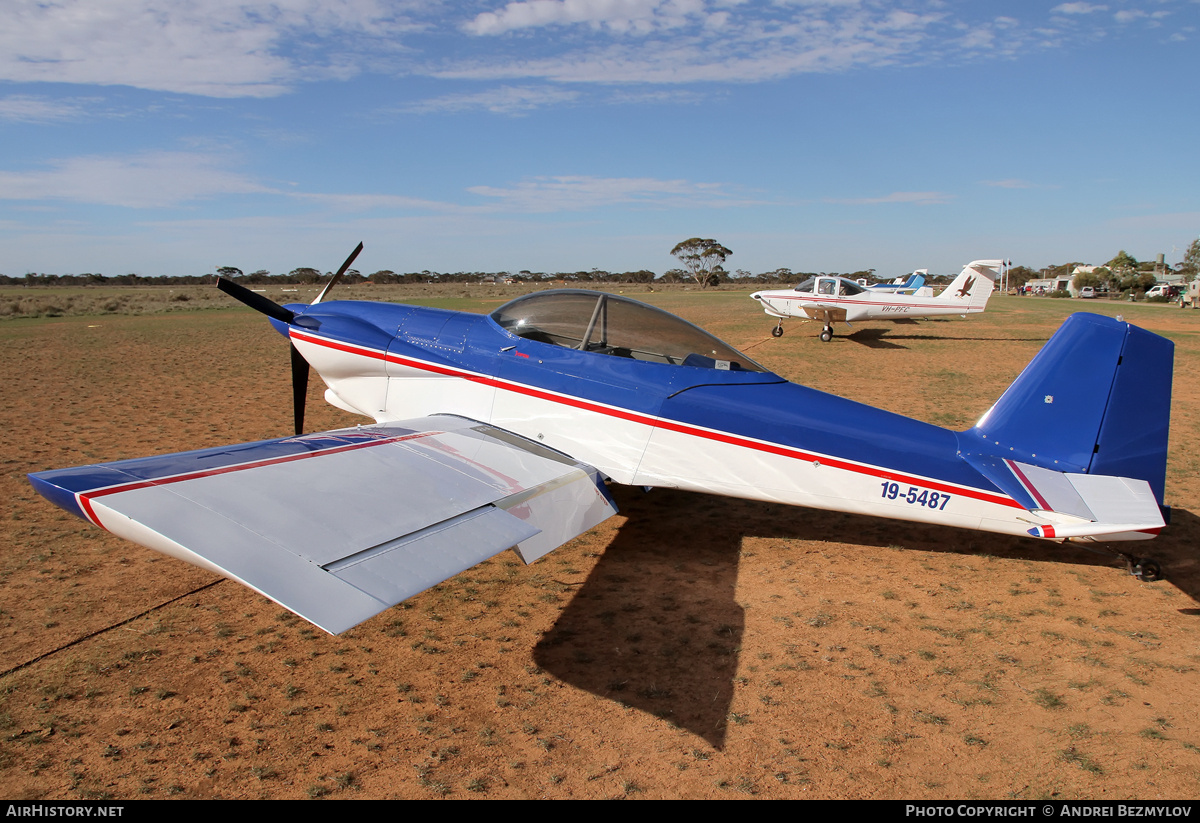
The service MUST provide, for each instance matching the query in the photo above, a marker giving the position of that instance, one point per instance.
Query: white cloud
(173, 179)
(1010, 183)
(576, 193)
(502, 100)
(621, 16)
(151, 180)
(1129, 15)
(919, 198)
(26, 109)
(755, 41)
(374, 202)
(745, 43)
(217, 48)
(261, 48)
(1077, 8)
(675, 96)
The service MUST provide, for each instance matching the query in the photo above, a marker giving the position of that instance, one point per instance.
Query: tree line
(309, 276)
(702, 262)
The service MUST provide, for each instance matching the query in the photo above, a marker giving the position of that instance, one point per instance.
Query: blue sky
(175, 136)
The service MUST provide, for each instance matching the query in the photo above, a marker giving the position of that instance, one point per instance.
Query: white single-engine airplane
(832, 299)
(499, 431)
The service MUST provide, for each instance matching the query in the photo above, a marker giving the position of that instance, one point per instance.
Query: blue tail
(1095, 400)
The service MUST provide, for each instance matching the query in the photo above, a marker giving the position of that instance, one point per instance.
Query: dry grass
(689, 647)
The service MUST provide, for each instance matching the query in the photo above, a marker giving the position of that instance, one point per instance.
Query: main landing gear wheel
(777, 331)
(827, 334)
(1144, 569)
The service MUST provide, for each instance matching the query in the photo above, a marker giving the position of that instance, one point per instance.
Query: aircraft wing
(339, 526)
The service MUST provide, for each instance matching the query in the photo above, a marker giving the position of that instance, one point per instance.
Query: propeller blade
(270, 308)
(339, 274)
(299, 387)
(256, 301)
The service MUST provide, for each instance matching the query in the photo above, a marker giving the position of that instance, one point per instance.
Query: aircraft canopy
(830, 285)
(611, 324)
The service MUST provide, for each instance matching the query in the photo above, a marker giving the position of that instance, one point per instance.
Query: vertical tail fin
(1095, 400)
(974, 285)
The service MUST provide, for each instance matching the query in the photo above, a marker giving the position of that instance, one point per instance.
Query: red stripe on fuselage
(844, 301)
(658, 422)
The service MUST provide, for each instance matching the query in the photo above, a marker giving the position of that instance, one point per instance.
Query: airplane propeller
(338, 276)
(270, 308)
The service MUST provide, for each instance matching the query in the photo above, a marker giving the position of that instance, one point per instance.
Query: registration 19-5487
(916, 496)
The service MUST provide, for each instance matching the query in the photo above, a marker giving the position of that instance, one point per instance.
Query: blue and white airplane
(902, 285)
(500, 431)
(833, 299)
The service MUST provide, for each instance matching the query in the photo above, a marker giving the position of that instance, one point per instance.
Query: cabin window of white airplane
(617, 326)
(830, 285)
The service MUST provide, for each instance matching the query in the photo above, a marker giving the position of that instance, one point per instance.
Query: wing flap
(398, 569)
(341, 525)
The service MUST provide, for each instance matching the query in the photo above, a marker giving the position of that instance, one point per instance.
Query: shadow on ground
(657, 625)
(882, 338)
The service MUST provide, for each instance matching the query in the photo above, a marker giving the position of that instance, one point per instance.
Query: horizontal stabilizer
(1073, 505)
(339, 526)
(1093, 531)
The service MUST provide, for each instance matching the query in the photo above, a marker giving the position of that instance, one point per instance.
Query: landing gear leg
(778, 330)
(827, 334)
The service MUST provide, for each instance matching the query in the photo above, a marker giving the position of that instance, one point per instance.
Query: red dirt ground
(691, 647)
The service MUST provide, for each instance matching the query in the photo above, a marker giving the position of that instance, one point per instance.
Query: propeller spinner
(270, 308)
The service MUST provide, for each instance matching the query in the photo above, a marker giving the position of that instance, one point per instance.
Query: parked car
(1169, 291)
(1087, 291)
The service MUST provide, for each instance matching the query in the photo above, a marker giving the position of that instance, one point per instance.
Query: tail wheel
(1146, 570)
(777, 331)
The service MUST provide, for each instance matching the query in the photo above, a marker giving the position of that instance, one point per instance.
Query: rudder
(974, 285)
(1095, 400)
(1134, 433)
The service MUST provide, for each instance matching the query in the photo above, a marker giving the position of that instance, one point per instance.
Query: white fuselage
(833, 299)
(651, 450)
